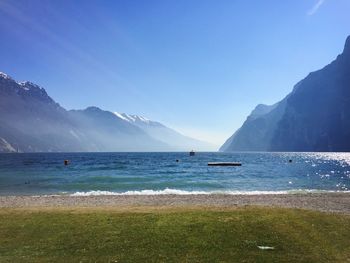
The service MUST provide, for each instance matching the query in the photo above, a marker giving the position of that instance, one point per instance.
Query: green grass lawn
(173, 235)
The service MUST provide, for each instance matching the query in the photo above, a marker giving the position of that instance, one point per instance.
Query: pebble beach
(325, 202)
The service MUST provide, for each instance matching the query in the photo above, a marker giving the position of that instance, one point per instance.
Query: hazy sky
(197, 66)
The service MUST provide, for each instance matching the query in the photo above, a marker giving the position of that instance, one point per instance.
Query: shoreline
(324, 202)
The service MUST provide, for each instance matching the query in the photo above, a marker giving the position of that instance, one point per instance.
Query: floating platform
(224, 164)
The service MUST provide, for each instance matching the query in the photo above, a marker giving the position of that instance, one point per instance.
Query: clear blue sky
(198, 66)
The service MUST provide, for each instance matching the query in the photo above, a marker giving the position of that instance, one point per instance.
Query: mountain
(31, 121)
(165, 134)
(315, 116)
(107, 132)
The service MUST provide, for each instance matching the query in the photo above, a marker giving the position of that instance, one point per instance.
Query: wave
(168, 191)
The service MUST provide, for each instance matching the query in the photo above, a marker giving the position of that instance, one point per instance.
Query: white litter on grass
(265, 248)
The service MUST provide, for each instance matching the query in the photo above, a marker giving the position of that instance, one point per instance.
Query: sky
(198, 66)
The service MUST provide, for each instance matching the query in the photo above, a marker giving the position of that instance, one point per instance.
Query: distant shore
(326, 202)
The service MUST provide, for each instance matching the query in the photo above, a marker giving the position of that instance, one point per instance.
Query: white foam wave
(168, 191)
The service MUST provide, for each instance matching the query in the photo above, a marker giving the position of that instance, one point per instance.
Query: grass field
(173, 235)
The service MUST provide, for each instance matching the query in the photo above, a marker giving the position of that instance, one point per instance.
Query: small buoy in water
(66, 162)
(290, 160)
(177, 160)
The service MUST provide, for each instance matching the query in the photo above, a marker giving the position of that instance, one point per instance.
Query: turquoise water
(159, 173)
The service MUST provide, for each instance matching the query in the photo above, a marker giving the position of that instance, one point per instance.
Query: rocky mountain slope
(315, 116)
(165, 134)
(31, 121)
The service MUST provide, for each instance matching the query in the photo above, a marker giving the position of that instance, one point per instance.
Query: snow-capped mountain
(31, 121)
(133, 118)
(110, 133)
(165, 134)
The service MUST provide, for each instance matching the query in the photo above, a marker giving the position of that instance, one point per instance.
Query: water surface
(157, 173)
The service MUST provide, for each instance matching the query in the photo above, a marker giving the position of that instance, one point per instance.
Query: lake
(160, 173)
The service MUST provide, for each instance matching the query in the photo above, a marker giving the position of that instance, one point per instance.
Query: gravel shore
(327, 202)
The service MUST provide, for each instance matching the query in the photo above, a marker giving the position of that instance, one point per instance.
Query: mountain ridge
(313, 117)
(31, 121)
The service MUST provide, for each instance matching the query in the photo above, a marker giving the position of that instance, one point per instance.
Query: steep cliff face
(315, 116)
(31, 121)
(257, 131)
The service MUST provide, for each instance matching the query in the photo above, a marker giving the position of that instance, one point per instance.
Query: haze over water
(159, 173)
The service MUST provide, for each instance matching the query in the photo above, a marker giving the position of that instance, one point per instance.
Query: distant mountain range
(31, 121)
(315, 116)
